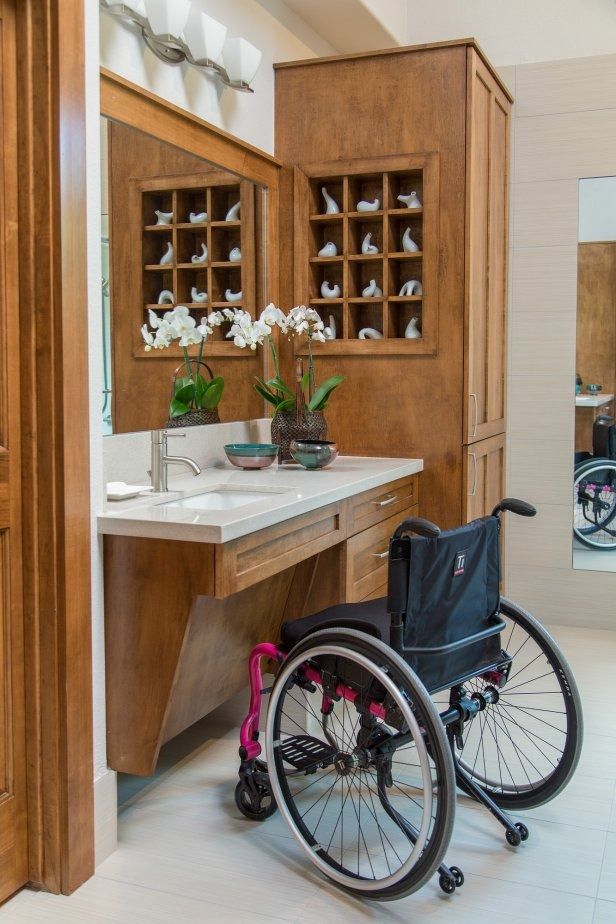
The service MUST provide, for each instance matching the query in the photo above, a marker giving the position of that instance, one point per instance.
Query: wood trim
(126, 102)
(403, 49)
(55, 441)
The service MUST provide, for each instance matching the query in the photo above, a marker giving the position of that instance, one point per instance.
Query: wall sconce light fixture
(177, 31)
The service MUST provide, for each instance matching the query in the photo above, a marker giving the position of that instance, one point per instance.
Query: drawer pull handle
(388, 500)
(381, 554)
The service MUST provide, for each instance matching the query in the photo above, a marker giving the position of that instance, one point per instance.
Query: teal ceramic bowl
(313, 453)
(251, 455)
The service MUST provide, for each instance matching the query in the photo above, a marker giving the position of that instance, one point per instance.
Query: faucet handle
(177, 436)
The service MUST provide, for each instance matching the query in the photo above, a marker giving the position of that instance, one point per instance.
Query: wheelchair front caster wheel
(458, 876)
(255, 803)
(447, 884)
(516, 835)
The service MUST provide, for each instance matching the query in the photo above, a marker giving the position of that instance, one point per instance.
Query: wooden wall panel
(407, 102)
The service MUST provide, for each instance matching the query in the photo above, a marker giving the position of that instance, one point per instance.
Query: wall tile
(540, 471)
(545, 279)
(538, 407)
(566, 145)
(545, 214)
(565, 86)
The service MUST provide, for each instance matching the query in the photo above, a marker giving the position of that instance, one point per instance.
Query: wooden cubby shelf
(214, 194)
(390, 267)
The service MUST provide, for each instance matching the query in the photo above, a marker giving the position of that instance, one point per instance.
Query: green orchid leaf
(322, 394)
(287, 405)
(213, 393)
(177, 408)
(305, 381)
(186, 394)
(267, 395)
(181, 383)
(278, 385)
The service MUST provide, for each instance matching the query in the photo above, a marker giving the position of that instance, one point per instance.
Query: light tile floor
(185, 856)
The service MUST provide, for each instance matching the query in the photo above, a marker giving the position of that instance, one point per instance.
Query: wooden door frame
(55, 441)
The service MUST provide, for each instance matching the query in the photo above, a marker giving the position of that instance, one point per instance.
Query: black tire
(254, 807)
(529, 722)
(593, 534)
(384, 662)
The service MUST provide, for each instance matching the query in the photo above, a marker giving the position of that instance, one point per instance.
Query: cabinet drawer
(382, 503)
(367, 558)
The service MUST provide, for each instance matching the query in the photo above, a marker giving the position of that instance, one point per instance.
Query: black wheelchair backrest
(604, 437)
(446, 590)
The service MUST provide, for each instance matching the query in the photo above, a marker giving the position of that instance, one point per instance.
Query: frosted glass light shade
(167, 17)
(241, 60)
(204, 36)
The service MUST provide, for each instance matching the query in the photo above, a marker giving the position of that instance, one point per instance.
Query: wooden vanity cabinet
(182, 617)
(435, 119)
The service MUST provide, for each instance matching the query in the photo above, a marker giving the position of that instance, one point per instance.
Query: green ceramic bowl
(251, 455)
(313, 453)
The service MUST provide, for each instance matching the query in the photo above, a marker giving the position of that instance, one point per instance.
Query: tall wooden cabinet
(434, 120)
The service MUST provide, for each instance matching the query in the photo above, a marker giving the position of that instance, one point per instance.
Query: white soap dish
(119, 490)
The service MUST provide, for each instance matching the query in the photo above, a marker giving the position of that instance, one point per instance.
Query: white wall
(521, 31)
(250, 117)
(598, 209)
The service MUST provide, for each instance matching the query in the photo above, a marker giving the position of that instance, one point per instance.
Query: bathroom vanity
(195, 577)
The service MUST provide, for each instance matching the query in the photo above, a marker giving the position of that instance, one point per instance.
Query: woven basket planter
(286, 427)
(195, 418)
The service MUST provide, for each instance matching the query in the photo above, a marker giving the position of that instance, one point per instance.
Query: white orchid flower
(190, 337)
(214, 319)
(155, 321)
(148, 338)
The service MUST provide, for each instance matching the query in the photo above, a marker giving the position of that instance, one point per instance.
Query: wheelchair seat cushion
(370, 617)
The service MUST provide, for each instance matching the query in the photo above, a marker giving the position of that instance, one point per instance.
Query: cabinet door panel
(486, 256)
(484, 471)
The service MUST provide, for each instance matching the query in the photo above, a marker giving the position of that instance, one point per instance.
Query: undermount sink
(221, 499)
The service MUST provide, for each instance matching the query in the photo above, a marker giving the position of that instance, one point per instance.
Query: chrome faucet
(161, 459)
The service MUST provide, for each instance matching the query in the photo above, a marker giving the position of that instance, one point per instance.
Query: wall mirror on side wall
(177, 230)
(594, 493)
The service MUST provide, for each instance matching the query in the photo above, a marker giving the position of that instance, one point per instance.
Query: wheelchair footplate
(306, 753)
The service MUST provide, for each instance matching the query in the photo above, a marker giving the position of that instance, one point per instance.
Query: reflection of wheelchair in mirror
(381, 709)
(594, 488)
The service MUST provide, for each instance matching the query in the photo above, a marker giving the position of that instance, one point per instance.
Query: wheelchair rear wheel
(360, 765)
(523, 748)
(594, 503)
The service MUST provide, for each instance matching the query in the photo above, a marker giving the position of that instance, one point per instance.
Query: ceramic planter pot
(286, 427)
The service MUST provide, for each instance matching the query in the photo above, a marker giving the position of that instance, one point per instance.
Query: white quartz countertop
(290, 490)
(593, 400)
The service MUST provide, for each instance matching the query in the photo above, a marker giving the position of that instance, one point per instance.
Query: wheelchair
(594, 488)
(380, 710)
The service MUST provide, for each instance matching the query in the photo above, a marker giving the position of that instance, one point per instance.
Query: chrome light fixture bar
(177, 31)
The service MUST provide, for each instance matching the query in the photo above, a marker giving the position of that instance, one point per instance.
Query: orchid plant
(191, 391)
(248, 333)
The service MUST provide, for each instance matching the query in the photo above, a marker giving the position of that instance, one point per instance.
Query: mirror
(177, 230)
(594, 493)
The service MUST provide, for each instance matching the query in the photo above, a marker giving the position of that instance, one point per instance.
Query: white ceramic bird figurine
(235, 255)
(367, 206)
(197, 296)
(233, 296)
(328, 250)
(197, 218)
(411, 287)
(200, 257)
(367, 246)
(163, 218)
(372, 290)
(330, 330)
(408, 244)
(328, 291)
(411, 201)
(166, 297)
(332, 206)
(370, 333)
(412, 332)
(167, 257)
(234, 212)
